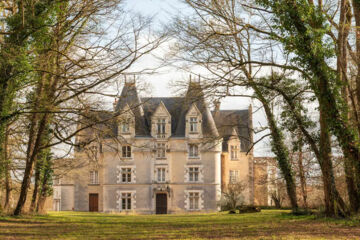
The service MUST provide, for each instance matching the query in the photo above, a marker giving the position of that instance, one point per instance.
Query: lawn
(269, 224)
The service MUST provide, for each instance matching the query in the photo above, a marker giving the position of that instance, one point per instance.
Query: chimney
(217, 106)
(130, 82)
(115, 103)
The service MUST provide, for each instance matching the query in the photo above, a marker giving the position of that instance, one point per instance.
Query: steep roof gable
(161, 108)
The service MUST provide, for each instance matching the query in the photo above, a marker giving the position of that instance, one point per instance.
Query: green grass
(269, 224)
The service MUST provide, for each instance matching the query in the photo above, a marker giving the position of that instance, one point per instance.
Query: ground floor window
(194, 198)
(125, 201)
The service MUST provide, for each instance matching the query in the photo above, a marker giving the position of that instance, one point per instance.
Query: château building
(158, 155)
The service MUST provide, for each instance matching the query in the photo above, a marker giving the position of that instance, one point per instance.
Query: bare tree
(77, 58)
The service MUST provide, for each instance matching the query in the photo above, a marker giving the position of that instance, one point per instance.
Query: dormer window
(234, 152)
(126, 122)
(193, 124)
(161, 123)
(125, 127)
(193, 121)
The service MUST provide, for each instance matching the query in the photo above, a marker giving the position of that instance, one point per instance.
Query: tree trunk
(280, 151)
(323, 154)
(7, 169)
(342, 64)
(30, 165)
(43, 194)
(302, 174)
(322, 81)
(356, 8)
(7, 189)
(36, 185)
(326, 166)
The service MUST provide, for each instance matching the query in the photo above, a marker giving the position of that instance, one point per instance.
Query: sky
(161, 83)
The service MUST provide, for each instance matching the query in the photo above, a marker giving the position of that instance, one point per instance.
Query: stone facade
(158, 155)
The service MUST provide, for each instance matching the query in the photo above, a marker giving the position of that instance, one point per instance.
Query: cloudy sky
(161, 83)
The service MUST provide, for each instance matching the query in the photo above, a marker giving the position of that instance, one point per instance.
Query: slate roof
(215, 124)
(227, 120)
(177, 107)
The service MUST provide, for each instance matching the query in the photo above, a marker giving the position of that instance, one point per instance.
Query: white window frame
(194, 200)
(194, 174)
(127, 153)
(128, 194)
(126, 175)
(161, 174)
(193, 124)
(129, 169)
(234, 152)
(187, 174)
(161, 126)
(94, 177)
(193, 150)
(234, 176)
(160, 150)
(125, 127)
(126, 200)
(56, 181)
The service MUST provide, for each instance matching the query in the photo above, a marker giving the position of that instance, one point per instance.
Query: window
(126, 151)
(93, 154)
(161, 174)
(194, 174)
(125, 127)
(94, 177)
(125, 201)
(234, 152)
(193, 150)
(126, 175)
(160, 150)
(234, 176)
(56, 181)
(194, 198)
(161, 125)
(193, 124)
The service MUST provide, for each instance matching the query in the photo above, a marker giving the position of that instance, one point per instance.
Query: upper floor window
(126, 175)
(161, 174)
(125, 127)
(160, 150)
(126, 151)
(234, 176)
(234, 152)
(193, 150)
(194, 198)
(193, 124)
(161, 126)
(56, 181)
(94, 177)
(194, 174)
(125, 201)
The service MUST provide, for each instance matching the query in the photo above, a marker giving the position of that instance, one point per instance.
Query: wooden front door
(161, 203)
(93, 202)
